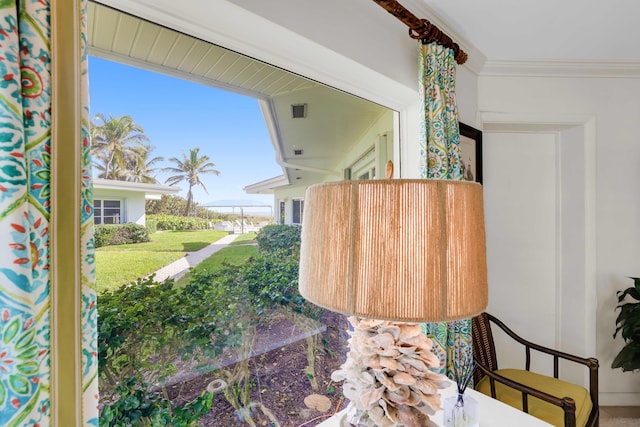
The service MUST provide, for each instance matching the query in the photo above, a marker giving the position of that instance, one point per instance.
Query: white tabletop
(492, 413)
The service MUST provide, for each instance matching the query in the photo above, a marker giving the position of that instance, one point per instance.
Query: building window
(298, 206)
(107, 211)
(282, 211)
(364, 167)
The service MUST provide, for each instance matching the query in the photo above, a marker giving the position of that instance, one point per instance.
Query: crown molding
(561, 68)
(480, 65)
(476, 59)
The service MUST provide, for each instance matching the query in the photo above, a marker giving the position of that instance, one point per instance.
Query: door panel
(521, 208)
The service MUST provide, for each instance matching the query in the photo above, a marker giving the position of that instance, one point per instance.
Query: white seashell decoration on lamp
(392, 253)
(401, 378)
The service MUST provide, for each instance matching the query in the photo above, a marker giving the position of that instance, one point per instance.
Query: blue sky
(178, 115)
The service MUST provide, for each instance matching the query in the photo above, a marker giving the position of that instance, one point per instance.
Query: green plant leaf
(632, 292)
(106, 415)
(629, 358)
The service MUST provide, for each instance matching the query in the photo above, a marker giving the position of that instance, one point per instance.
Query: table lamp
(392, 253)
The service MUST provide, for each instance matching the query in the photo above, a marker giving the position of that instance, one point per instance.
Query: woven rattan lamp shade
(405, 250)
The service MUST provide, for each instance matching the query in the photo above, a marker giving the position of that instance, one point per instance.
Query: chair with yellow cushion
(551, 399)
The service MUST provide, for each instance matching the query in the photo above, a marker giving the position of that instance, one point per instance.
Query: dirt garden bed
(274, 377)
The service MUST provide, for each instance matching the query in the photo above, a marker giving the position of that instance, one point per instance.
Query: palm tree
(116, 142)
(138, 167)
(189, 169)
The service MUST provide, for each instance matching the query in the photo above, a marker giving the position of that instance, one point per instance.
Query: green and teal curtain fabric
(89, 311)
(439, 130)
(26, 389)
(440, 159)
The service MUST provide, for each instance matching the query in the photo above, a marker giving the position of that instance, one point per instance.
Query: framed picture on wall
(471, 153)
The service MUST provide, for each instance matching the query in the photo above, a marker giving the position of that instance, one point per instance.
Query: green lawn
(171, 241)
(236, 253)
(117, 265)
(243, 239)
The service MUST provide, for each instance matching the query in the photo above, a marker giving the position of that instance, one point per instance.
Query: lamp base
(421, 421)
(387, 375)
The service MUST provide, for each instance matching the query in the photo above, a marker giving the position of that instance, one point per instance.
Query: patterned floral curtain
(26, 352)
(440, 159)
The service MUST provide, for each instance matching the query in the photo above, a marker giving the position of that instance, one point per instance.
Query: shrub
(146, 326)
(272, 280)
(181, 223)
(143, 327)
(120, 234)
(275, 237)
(272, 276)
(137, 406)
(103, 234)
(129, 233)
(226, 314)
(152, 226)
(134, 323)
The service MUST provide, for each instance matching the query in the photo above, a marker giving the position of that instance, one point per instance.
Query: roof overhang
(151, 191)
(267, 186)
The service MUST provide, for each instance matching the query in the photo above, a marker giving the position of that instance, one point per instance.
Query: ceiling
(332, 116)
(567, 30)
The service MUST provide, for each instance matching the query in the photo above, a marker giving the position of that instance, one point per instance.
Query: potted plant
(628, 324)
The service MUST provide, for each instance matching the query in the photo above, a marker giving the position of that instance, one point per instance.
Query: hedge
(120, 234)
(181, 223)
(274, 237)
(152, 225)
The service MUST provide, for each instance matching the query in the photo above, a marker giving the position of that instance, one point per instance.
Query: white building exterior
(117, 202)
(364, 157)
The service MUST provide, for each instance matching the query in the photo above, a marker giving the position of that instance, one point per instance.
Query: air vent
(298, 152)
(299, 111)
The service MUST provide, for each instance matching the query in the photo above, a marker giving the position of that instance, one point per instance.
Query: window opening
(298, 206)
(282, 211)
(107, 211)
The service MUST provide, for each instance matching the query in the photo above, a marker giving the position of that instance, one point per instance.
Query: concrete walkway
(178, 268)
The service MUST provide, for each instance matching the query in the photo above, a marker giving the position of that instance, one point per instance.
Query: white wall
(600, 115)
(287, 195)
(520, 199)
(359, 30)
